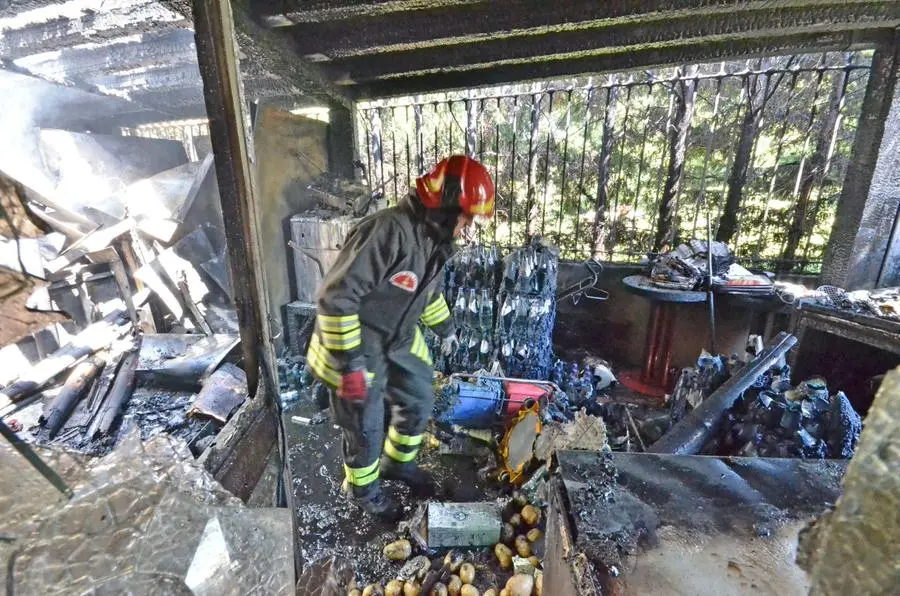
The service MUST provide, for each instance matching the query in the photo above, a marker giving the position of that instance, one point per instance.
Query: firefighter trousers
(401, 379)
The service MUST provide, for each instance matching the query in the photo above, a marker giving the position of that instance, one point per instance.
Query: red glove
(353, 386)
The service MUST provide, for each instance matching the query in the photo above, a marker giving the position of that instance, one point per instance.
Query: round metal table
(654, 378)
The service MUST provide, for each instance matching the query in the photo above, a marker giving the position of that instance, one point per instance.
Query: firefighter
(368, 347)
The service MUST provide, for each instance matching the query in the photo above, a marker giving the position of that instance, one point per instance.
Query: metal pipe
(666, 355)
(693, 431)
(652, 342)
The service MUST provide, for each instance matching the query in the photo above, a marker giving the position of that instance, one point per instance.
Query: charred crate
(463, 524)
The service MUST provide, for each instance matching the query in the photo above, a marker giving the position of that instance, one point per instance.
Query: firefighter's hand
(353, 386)
(449, 344)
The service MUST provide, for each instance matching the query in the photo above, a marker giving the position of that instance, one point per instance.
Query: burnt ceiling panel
(143, 52)
(376, 48)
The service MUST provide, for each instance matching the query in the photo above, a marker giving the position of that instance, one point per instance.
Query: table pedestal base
(654, 379)
(632, 380)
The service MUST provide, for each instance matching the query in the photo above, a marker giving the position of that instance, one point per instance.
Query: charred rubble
(138, 266)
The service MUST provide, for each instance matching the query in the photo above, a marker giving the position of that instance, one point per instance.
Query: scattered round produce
(453, 560)
(520, 585)
(504, 556)
(399, 550)
(467, 573)
(530, 515)
(454, 586)
(522, 546)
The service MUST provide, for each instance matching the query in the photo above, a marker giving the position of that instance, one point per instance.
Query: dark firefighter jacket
(386, 279)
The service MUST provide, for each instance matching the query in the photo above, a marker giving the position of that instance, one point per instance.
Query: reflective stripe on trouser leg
(362, 476)
(411, 395)
(402, 454)
(400, 447)
(362, 423)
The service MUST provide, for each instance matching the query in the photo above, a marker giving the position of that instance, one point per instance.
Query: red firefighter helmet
(458, 182)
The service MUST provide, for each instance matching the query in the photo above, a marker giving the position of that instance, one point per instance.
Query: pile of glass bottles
(504, 310)
(527, 311)
(470, 287)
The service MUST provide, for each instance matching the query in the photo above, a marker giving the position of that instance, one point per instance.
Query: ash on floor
(153, 411)
(328, 524)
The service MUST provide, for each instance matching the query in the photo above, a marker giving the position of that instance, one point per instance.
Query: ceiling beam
(166, 47)
(477, 22)
(278, 13)
(267, 54)
(526, 48)
(767, 43)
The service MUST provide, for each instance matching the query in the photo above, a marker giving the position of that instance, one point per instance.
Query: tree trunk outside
(814, 176)
(420, 139)
(738, 177)
(471, 126)
(666, 229)
(603, 170)
(377, 174)
(532, 216)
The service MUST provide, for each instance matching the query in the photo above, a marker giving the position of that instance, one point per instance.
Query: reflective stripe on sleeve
(337, 323)
(339, 332)
(419, 348)
(437, 312)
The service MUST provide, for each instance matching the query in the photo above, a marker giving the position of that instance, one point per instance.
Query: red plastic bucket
(518, 393)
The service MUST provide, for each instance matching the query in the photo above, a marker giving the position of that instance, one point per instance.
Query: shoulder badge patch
(405, 280)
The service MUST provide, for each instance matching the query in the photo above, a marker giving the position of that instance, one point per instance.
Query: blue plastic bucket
(471, 405)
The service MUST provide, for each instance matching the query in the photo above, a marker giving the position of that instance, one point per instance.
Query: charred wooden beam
(216, 52)
(78, 381)
(483, 21)
(278, 13)
(95, 337)
(770, 43)
(599, 36)
(119, 394)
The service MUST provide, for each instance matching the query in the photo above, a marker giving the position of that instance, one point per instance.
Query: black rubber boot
(420, 482)
(374, 500)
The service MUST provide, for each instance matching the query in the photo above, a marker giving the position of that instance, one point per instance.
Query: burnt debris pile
(776, 419)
